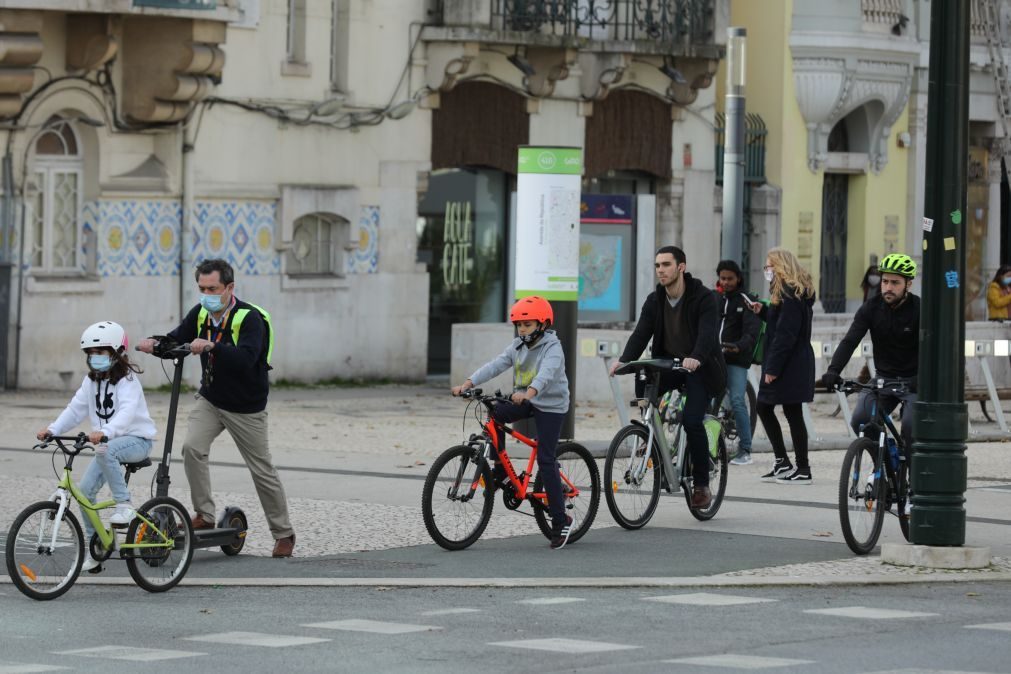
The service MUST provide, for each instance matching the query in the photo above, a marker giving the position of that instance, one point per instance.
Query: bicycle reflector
(29, 574)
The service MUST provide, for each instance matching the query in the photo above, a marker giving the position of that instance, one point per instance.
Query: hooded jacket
(703, 316)
(540, 366)
(739, 326)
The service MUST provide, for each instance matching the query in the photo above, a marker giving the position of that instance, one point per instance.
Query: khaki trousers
(249, 431)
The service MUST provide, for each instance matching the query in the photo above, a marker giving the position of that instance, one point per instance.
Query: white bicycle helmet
(104, 333)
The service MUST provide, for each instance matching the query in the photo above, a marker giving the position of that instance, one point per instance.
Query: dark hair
(215, 265)
(1004, 269)
(679, 255)
(730, 265)
(121, 366)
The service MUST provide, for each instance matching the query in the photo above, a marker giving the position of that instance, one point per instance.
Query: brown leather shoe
(284, 546)
(200, 523)
(702, 498)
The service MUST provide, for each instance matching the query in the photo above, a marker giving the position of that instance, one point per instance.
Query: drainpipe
(186, 222)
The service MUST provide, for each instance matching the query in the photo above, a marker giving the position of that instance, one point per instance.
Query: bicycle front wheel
(458, 497)
(581, 485)
(632, 477)
(160, 520)
(39, 566)
(717, 484)
(902, 498)
(862, 485)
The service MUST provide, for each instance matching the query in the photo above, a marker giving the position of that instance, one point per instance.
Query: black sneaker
(799, 476)
(560, 536)
(782, 468)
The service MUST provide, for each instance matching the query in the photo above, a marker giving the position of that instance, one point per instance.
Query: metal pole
(940, 417)
(732, 240)
(6, 262)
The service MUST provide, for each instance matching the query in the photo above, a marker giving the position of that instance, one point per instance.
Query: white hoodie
(123, 408)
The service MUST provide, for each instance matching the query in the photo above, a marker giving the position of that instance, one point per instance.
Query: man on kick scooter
(233, 342)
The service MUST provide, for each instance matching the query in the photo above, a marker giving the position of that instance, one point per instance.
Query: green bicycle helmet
(898, 263)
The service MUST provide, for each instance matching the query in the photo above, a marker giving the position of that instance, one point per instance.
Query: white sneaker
(90, 564)
(124, 515)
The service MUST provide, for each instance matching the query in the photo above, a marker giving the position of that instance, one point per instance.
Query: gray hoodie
(541, 366)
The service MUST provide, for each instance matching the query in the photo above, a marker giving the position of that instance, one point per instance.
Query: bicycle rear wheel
(717, 484)
(632, 477)
(862, 486)
(37, 567)
(579, 469)
(160, 569)
(458, 497)
(902, 498)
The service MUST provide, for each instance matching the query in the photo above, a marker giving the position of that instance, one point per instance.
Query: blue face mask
(100, 362)
(1006, 281)
(213, 303)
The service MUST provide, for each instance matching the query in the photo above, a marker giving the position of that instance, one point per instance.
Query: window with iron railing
(667, 21)
(755, 133)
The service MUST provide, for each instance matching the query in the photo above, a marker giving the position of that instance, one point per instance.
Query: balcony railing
(666, 21)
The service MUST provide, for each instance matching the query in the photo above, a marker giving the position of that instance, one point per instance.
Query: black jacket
(895, 335)
(788, 352)
(234, 375)
(739, 326)
(703, 316)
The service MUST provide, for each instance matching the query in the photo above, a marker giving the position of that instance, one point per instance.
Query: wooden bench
(981, 394)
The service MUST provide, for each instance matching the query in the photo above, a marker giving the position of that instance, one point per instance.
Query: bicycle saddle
(650, 365)
(137, 465)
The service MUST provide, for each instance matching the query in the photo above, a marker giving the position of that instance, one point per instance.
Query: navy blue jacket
(788, 352)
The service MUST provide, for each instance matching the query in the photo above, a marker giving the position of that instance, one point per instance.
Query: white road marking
(26, 668)
(1002, 627)
(869, 613)
(373, 626)
(707, 599)
(452, 611)
(131, 653)
(569, 646)
(734, 661)
(256, 639)
(549, 601)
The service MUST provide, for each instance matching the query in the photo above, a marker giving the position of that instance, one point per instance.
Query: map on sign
(600, 272)
(563, 228)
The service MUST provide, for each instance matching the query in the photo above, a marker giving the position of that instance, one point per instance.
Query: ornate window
(53, 199)
(318, 245)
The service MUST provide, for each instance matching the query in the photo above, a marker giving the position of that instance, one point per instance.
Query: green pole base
(939, 473)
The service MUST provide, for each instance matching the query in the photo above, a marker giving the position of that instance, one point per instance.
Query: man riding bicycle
(893, 318)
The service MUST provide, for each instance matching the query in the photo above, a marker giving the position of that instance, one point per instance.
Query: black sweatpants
(798, 431)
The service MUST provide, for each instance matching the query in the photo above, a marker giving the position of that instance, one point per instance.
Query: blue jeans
(737, 387)
(107, 467)
(549, 428)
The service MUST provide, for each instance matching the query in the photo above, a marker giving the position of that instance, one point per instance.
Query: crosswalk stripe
(549, 601)
(451, 611)
(707, 599)
(569, 646)
(1002, 627)
(130, 653)
(734, 661)
(373, 626)
(27, 668)
(869, 613)
(256, 639)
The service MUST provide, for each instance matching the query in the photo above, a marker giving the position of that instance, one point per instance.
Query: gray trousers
(249, 431)
(865, 404)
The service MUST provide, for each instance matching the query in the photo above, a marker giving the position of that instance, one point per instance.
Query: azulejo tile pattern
(365, 258)
(141, 237)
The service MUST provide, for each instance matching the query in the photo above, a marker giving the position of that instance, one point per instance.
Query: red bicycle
(459, 491)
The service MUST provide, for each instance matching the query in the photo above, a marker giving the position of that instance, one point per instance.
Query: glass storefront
(461, 238)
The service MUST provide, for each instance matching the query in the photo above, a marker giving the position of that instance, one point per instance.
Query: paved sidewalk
(352, 461)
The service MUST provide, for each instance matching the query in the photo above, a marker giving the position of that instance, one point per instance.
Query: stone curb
(675, 582)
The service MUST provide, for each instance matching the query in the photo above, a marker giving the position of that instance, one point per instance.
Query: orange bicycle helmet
(533, 308)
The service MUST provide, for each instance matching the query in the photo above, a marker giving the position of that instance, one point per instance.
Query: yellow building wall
(876, 201)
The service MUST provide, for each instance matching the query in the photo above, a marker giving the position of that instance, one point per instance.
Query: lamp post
(732, 239)
(940, 417)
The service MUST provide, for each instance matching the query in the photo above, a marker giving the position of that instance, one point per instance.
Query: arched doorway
(834, 225)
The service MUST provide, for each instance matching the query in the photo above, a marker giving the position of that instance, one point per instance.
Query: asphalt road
(923, 628)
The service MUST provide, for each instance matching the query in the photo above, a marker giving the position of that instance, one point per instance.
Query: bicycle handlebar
(167, 349)
(80, 443)
(654, 365)
(891, 386)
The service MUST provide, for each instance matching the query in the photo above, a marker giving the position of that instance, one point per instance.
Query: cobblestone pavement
(865, 566)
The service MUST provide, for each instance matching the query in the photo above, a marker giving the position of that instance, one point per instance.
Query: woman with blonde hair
(788, 366)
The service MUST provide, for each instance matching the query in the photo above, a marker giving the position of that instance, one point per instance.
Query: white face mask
(768, 275)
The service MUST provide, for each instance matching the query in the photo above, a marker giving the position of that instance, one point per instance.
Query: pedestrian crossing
(454, 620)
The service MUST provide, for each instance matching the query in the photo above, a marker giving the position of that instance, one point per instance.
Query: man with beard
(893, 318)
(682, 317)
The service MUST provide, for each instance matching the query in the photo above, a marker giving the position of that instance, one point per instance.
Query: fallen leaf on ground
(822, 534)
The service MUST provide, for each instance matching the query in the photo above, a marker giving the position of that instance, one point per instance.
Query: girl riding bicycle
(112, 398)
(540, 390)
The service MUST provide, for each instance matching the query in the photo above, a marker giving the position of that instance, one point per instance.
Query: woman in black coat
(788, 366)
